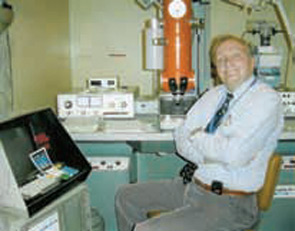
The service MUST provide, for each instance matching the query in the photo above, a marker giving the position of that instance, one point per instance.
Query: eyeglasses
(224, 60)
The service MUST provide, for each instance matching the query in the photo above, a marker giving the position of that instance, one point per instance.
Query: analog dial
(177, 8)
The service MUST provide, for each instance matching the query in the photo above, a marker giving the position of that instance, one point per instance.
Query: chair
(264, 195)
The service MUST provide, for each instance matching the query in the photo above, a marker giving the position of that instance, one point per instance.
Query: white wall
(106, 41)
(100, 29)
(39, 38)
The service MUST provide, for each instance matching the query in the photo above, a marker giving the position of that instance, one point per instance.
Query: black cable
(6, 5)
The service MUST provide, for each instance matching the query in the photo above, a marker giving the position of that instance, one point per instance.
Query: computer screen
(18, 145)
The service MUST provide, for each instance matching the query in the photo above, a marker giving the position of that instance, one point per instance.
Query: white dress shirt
(237, 153)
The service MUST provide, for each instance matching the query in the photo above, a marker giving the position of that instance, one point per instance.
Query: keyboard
(53, 172)
(38, 186)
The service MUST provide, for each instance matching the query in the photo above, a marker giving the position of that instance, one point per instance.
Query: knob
(68, 104)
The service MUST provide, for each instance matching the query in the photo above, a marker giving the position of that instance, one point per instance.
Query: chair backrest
(265, 194)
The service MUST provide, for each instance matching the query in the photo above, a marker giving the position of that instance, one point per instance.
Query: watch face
(177, 8)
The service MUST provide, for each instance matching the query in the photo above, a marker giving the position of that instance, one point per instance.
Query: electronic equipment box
(71, 211)
(106, 104)
(39, 162)
(288, 100)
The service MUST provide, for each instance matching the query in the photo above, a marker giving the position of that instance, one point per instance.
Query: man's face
(234, 65)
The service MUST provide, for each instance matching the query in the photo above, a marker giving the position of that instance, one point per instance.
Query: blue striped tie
(216, 120)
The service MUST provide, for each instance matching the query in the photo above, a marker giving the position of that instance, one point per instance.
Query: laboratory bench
(142, 136)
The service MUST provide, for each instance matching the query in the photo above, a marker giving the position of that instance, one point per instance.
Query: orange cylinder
(178, 46)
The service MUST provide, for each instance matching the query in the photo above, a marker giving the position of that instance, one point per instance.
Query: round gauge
(177, 8)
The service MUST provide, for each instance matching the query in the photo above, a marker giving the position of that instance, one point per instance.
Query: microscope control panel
(109, 104)
(288, 100)
(109, 163)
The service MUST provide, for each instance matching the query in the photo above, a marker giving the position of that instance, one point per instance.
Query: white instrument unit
(103, 83)
(108, 104)
(288, 100)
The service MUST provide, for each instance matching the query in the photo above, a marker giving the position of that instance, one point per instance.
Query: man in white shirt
(228, 135)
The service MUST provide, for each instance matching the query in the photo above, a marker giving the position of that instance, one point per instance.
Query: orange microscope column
(178, 46)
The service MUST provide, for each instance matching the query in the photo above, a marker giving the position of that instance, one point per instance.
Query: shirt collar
(239, 91)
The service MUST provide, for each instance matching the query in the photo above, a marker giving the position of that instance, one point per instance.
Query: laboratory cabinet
(112, 166)
(108, 174)
(286, 147)
(280, 217)
(69, 212)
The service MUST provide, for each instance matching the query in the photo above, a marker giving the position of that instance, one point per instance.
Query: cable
(10, 71)
(287, 69)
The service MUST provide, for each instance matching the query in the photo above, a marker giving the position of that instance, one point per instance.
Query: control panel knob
(68, 104)
(124, 104)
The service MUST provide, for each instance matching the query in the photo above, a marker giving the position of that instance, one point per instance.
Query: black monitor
(18, 144)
